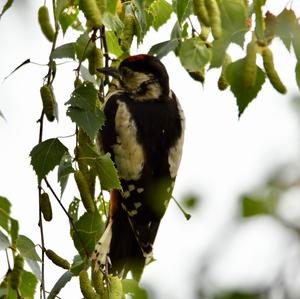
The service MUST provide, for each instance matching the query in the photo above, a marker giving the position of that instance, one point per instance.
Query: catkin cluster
(208, 14)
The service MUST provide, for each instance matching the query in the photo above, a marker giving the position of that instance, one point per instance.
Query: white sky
(223, 157)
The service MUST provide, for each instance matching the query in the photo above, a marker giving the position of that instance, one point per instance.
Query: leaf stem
(186, 215)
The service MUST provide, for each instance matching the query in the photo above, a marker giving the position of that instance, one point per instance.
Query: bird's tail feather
(118, 250)
(125, 252)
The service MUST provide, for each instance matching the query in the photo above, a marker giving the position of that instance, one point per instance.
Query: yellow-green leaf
(243, 94)
(194, 54)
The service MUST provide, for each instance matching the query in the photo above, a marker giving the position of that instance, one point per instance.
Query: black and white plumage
(144, 132)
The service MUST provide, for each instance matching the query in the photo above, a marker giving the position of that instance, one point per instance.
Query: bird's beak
(110, 71)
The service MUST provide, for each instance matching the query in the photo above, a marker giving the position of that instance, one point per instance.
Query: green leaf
(35, 267)
(234, 16)
(285, 24)
(297, 72)
(143, 21)
(176, 31)
(77, 25)
(113, 44)
(67, 17)
(183, 9)
(184, 31)
(83, 110)
(60, 6)
(111, 6)
(253, 206)
(190, 202)
(194, 54)
(141, 16)
(131, 287)
(64, 170)
(112, 22)
(161, 11)
(270, 26)
(27, 248)
(14, 231)
(2, 115)
(4, 242)
(243, 95)
(219, 47)
(73, 209)
(64, 51)
(60, 284)
(4, 212)
(7, 5)
(46, 155)
(84, 46)
(86, 76)
(89, 121)
(105, 168)
(3, 292)
(12, 294)
(107, 173)
(162, 49)
(89, 229)
(84, 97)
(78, 265)
(28, 284)
(296, 41)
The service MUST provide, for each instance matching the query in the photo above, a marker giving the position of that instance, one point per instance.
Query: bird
(144, 134)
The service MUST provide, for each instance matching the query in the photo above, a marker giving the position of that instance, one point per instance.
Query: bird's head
(142, 75)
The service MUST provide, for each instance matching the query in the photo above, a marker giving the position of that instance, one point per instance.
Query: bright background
(223, 158)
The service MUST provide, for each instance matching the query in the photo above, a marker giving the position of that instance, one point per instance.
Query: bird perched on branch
(143, 132)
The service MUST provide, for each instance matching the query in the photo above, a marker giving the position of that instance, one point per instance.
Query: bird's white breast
(129, 155)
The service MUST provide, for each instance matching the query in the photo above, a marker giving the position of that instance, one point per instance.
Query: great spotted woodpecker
(143, 132)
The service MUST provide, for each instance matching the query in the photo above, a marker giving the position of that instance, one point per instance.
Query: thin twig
(41, 121)
(67, 214)
(193, 28)
(42, 287)
(50, 77)
(40, 223)
(101, 85)
(106, 55)
(105, 46)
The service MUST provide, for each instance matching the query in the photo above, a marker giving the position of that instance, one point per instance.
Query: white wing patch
(101, 252)
(129, 155)
(175, 152)
(99, 143)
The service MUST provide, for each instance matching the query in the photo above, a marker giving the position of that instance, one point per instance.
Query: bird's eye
(124, 72)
